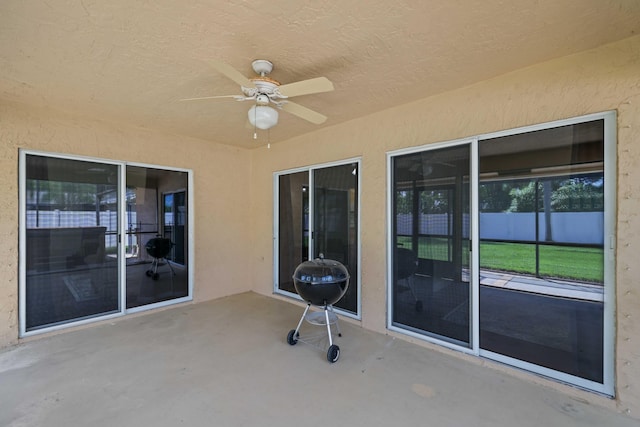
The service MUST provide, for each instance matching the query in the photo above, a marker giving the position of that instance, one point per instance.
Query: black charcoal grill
(320, 282)
(158, 248)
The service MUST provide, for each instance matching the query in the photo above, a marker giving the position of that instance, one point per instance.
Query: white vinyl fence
(566, 227)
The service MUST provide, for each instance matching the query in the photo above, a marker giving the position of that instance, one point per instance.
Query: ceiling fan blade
(306, 87)
(304, 113)
(213, 97)
(231, 73)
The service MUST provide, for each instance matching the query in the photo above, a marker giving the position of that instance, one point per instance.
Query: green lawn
(562, 262)
(555, 261)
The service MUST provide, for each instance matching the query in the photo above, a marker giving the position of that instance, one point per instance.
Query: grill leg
(326, 317)
(170, 266)
(337, 322)
(301, 319)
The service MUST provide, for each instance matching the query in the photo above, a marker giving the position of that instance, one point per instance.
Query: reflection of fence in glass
(75, 219)
(568, 227)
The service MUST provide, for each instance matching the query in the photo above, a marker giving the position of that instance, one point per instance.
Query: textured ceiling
(131, 61)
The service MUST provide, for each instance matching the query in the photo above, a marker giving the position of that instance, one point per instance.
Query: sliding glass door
(498, 247)
(335, 223)
(97, 240)
(292, 226)
(430, 258)
(157, 230)
(542, 206)
(71, 217)
(317, 215)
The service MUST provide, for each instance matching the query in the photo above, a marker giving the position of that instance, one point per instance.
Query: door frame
(276, 228)
(22, 222)
(609, 234)
(473, 261)
(609, 287)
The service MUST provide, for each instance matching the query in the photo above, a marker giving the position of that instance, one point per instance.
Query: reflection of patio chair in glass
(406, 266)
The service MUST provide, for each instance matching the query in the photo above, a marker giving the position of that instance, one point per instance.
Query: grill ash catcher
(320, 282)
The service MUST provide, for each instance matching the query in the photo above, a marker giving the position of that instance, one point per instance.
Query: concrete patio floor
(226, 363)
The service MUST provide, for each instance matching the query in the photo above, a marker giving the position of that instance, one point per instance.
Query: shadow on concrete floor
(227, 363)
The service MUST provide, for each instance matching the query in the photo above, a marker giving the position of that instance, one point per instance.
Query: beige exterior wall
(221, 182)
(607, 78)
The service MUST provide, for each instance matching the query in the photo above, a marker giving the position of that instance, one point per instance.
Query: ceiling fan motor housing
(262, 66)
(263, 86)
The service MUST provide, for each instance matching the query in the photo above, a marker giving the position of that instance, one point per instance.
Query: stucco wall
(221, 181)
(607, 78)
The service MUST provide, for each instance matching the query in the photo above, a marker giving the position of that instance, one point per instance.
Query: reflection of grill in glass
(321, 282)
(158, 248)
(406, 264)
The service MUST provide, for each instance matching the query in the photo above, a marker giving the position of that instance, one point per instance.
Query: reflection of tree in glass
(61, 193)
(584, 193)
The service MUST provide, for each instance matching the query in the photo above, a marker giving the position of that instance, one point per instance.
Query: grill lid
(320, 271)
(159, 247)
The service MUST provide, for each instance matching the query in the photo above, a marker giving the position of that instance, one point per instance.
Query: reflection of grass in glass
(514, 257)
(562, 262)
(435, 248)
(574, 263)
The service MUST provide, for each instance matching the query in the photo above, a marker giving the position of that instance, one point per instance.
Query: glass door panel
(335, 223)
(541, 198)
(71, 240)
(430, 291)
(174, 214)
(293, 226)
(156, 236)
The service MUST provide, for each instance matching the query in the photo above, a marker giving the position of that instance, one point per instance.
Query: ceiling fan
(265, 91)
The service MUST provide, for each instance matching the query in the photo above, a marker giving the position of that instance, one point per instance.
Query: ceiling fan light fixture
(263, 117)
